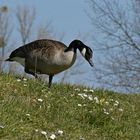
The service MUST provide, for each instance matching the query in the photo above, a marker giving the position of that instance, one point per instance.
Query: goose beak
(8, 59)
(91, 62)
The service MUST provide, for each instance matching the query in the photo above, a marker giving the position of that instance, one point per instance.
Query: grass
(31, 111)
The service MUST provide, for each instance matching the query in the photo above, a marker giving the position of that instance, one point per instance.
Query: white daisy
(120, 109)
(77, 89)
(90, 97)
(60, 132)
(85, 90)
(91, 90)
(96, 100)
(52, 136)
(40, 100)
(1, 126)
(24, 79)
(83, 95)
(79, 105)
(28, 115)
(43, 132)
(18, 80)
(117, 102)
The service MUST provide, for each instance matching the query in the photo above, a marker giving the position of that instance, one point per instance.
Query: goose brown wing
(44, 48)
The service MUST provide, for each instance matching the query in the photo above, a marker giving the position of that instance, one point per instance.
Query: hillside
(31, 111)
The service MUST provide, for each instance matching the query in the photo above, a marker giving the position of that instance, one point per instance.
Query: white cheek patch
(19, 60)
(83, 52)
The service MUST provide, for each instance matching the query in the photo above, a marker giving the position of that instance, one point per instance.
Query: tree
(117, 29)
(45, 31)
(25, 17)
(5, 31)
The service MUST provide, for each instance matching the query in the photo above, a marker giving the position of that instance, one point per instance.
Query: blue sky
(66, 16)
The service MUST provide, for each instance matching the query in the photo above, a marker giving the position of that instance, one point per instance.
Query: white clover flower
(85, 90)
(107, 103)
(105, 111)
(117, 102)
(28, 115)
(90, 111)
(60, 132)
(90, 97)
(52, 136)
(120, 109)
(111, 109)
(79, 105)
(1, 126)
(24, 79)
(43, 132)
(96, 100)
(112, 118)
(91, 90)
(49, 92)
(36, 130)
(111, 99)
(40, 100)
(83, 95)
(25, 85)
(18, 80)
(77, 89)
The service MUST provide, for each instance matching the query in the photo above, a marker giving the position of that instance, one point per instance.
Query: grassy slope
(80, 114)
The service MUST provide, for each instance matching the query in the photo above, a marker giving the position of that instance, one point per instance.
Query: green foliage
(29, 110)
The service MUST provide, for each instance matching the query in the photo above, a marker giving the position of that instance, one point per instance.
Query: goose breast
(48, 61)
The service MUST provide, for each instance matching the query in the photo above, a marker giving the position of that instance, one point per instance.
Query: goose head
(86, 51)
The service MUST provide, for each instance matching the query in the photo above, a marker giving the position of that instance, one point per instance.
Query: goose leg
(50, 80)
(30, 72)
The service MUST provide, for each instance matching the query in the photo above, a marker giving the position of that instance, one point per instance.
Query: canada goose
(49, 56)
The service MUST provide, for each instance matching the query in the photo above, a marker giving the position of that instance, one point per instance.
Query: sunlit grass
(29, 110)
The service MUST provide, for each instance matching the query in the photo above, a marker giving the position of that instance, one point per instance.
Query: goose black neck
(74, 45)
(71, 47)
